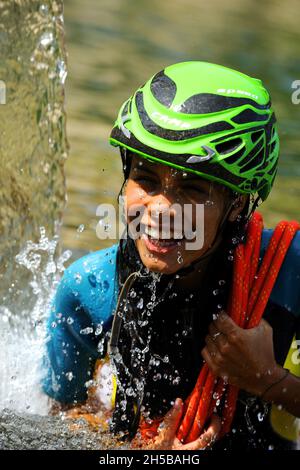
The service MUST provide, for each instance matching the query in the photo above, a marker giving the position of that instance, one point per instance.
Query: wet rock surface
(21, 431)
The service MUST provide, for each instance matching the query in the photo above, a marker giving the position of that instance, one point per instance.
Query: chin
(157, 263)
(159, 267)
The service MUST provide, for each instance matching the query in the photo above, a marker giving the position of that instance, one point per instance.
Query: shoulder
(90, 282)
(286, 290)
(100, 263)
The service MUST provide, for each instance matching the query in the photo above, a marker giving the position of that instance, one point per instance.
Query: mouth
(155, 242)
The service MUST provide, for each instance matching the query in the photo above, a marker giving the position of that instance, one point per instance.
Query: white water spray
(23, 333)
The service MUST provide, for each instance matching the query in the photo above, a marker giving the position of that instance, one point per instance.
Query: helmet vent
(254, 162)
(229, 146)
(248, 115)
(272, 146)
(255, 136)
(273, 169)
(163, 88)
(206, 103)
(235, 157)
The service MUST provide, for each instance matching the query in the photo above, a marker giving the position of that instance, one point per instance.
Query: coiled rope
(251, 289)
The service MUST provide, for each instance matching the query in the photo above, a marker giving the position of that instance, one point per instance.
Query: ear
(238, 206)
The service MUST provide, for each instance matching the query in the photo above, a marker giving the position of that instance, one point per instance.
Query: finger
(212, 329)
(226, 325)
(211, 346)
(208, 359)
(169, 426)
(265, 324)
(207, 438)
(217, 337)
(215, 424)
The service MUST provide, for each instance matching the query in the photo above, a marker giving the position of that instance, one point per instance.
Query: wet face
(160, 196)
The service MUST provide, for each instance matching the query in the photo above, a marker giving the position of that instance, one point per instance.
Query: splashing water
(141, 348)
(33, 145)
(33, 149)
(23, 333)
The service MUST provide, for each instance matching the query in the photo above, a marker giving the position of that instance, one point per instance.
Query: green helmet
(206, 119)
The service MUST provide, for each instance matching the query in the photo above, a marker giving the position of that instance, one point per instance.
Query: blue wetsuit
(82, 314)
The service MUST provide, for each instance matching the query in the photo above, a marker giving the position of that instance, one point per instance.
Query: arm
(284, 392)
(246, 359)
(70, 355)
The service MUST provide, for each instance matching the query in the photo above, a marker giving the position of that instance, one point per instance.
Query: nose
(163, 214)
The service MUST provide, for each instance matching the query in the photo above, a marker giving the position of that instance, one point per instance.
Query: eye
(143, 179)
(195, 189)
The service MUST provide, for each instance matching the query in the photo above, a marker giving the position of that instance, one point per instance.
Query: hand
(245, 358)
(167, 440)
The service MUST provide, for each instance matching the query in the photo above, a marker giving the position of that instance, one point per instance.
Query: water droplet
(46, 39)
(140, 303)
(156, 377)
(69, 376)
(44, 10)
(179, 258)
(92, 280)
(99, 330)
(209, 203)
(78, 278)
(80, 228)
(260, 416)
(86, 331)
(130, 391)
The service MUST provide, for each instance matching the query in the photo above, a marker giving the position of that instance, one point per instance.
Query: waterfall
(33, 149)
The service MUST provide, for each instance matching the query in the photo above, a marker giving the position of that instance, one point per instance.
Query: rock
(21, 431)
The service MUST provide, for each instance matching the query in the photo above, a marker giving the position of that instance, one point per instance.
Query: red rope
(251, 289)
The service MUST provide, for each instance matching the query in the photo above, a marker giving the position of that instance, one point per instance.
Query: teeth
(178, 236)
(154, 233)
(151, 232)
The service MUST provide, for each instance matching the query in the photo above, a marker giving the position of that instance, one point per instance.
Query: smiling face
(154, 189)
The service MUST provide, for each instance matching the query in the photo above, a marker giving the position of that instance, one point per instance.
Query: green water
(115, 45)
